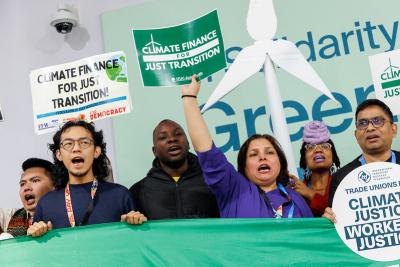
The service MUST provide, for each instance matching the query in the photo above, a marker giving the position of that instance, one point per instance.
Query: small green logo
(118, 74)
(390, 79)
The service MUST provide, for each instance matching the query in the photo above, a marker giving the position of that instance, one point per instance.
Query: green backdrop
(336, 36)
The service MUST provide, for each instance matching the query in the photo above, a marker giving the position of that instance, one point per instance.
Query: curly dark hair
(283, 176)
(100, 167)
(303, 162)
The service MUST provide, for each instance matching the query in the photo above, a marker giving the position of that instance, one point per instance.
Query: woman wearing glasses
(319, 160)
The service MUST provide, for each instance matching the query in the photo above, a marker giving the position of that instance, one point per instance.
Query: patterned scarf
(19, 223)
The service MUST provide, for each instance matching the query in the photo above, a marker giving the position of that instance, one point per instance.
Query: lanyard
(392, 159)
(68, 201)
(278, 213)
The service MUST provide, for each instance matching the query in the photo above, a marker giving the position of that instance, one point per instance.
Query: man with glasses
(375, 131)
(82, 196)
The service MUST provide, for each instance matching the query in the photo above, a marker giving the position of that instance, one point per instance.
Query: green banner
(170, 56)
(207, 242)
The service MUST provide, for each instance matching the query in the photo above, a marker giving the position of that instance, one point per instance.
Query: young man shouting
(36, 180)
(82, 196)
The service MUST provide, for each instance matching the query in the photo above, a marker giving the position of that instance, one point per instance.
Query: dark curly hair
(283, 176)
(100, 167)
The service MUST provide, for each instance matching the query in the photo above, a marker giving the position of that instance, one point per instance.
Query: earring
(333, 169)
(307, 174)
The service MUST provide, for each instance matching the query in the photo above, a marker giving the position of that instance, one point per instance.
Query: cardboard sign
(170, 56)
(385, 70)
(367, 207)
(92, 88)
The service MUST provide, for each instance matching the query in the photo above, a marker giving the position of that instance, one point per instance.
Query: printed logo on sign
(179, 79)
(186, 78)
(364, 177)
(48, 125)
(390, 81)
(152, 47)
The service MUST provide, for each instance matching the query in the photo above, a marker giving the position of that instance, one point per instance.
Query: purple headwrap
(315, 132)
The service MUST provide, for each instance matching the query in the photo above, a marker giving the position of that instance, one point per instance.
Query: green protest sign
(170, 56)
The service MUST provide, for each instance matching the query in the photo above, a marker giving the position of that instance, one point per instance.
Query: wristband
(188, 96)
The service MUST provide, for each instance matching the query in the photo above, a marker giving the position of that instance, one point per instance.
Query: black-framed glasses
(68, 144)
(363, 124)
(323, 146)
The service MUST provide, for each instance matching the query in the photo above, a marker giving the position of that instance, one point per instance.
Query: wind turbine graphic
(391, 67)
(261, 26)
(152, 43)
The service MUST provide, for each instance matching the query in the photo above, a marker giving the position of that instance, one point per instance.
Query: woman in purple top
(258, 188)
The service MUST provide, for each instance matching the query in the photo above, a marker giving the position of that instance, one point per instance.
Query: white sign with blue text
(90, 89)
(367, 207)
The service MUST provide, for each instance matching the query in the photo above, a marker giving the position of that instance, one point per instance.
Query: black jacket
(158, 196)
(342, 172)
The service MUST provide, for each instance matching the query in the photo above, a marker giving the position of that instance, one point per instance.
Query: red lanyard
(68, 201)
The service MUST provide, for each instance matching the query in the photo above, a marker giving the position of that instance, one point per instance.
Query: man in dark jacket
(174, 187)
(375, 131)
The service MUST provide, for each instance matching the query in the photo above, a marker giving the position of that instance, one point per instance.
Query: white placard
(92, 88)
(367, 207)
(385, 71)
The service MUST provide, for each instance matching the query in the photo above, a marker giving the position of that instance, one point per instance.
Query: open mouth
(264, 168)
(174, 150)
(319, 158)
(30, 199)
(78, 161)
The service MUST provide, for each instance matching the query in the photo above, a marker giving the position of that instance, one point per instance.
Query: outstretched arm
(198, 132)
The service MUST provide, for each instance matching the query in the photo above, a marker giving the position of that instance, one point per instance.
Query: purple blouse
(238, 197)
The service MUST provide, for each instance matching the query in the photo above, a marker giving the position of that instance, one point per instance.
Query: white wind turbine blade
(275, 105)
(287, 56)
(261, 20)
(247, 62)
